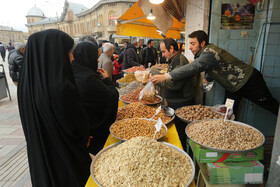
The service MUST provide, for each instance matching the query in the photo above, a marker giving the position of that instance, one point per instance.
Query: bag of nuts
(148, 93)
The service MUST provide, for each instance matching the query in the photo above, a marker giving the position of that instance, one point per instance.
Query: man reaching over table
(238, 79)
(178, 93)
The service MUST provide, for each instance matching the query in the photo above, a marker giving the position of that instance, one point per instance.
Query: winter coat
(179, 91)
(230, 72)
(130, 57)
(15, 64)
(106, 63)
(117, 67)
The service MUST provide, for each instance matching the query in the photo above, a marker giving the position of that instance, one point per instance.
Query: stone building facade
(11, 35)
(77, 20)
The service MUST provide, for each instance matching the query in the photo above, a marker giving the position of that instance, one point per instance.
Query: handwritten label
(229, 103)
(158, 124)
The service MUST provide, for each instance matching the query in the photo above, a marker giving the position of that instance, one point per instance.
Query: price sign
(158, 126)
(229, 103)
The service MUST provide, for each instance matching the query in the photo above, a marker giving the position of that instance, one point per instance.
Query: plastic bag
(221, 109)
(148, 93)
(142, 76)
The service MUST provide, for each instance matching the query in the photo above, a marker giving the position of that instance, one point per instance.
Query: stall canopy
(134, 22)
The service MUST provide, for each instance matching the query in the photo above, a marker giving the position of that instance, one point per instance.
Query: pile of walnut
(142, 162)
(197, 112)
(135, 110)
(134, 127)
(224, 135)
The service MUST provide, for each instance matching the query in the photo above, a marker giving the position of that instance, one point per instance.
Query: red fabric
(116, 68)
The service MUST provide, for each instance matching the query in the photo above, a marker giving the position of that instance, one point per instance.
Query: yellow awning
(134, 23)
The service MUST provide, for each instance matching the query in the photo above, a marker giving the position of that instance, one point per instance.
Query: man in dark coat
(150, 55)
(2, 51)
(15, 61)
(130, 55)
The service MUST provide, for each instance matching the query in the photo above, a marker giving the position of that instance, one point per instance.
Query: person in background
(16, 61)
(117, 49)
(122, 52)
(88, 38)
(238, 78)
(177, 93)
(150, 54)
(98, 93)
(102, 44)
(140, 52)
(3, 51)
(116, 69)
(55, 125)
(10, 47)
(105, 61)
(91, 39)
(130, 55)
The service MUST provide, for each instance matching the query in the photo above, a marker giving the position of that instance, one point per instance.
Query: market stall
(171, 137)
(226, 152)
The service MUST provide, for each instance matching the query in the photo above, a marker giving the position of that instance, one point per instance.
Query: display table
(171, 137)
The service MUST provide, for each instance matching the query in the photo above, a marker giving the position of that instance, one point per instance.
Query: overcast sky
(13, 12)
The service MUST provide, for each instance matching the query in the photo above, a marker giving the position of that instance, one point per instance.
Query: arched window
(112, 17)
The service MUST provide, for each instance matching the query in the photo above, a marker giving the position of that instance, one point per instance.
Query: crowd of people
(68, 99)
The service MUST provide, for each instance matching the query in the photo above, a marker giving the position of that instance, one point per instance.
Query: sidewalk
(14, 170)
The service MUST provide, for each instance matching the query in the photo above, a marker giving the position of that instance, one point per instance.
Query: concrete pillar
(197, 18)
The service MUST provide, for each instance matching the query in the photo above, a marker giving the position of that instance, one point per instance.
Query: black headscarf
(99, 96)
(55, 127)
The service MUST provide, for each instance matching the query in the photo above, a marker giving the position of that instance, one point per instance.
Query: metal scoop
(168, 111)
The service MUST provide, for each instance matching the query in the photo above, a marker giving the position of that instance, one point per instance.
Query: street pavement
(14, 169)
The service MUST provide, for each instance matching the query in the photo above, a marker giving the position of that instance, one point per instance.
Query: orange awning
(134, 23)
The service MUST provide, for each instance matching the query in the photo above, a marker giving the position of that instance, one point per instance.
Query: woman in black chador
(98, 93)
(55, 126)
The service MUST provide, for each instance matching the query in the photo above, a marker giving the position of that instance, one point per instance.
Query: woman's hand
(103, 72)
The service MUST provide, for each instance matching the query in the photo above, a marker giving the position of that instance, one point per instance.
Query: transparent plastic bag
(221, 109)
(148, 93)
(142, 76)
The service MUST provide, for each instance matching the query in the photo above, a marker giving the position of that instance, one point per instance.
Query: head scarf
(55, 126)
(86, 55)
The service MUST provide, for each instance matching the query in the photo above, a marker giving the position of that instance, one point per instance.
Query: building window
(100, 20)
(112, 4)
(112, 17)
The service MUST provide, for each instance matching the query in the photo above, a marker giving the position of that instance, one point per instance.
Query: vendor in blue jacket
(238, 78)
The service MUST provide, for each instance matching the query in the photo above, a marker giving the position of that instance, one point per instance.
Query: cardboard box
(248, 172)
(204, 155)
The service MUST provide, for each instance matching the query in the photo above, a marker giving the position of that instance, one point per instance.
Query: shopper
(55, 126)
(116, 69)
(177, 93)
(238, 79)
(99, 95)
(105, 61)
(130, 58)
(16, 61)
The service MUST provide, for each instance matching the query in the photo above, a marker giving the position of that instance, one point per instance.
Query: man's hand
(103, 72)
(158, 79)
